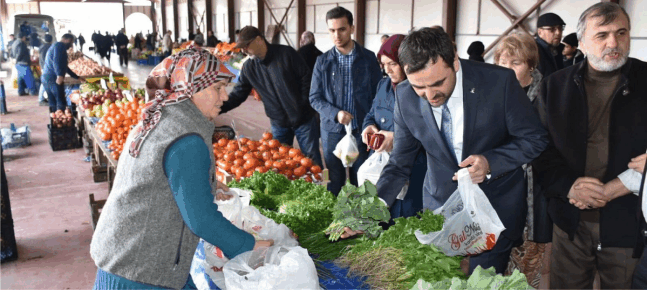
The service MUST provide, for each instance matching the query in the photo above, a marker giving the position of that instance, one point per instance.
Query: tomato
(277, 155)
(288, 173)
(267, 136)
(240, 172)
(299, 171)
(233, 169)
(244, 148)
(266, 155)
(219, 154)
(249, 173)
(274, 143)
(307, 162)
(315, 169)
(269, 163)
(291, 164)
(249, 164)
(263, 148)
(224, 165)
(232, 146)
(223, 142)
(243, 141)
(284, 150)
(252, 146)
(258, 155)
(119, 117)
(239, 162)
(230, 157)
(248, 156)
(309, 179)
(280, 165)
(294, 152)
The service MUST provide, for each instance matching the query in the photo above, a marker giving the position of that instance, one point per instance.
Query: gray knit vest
(141, 235)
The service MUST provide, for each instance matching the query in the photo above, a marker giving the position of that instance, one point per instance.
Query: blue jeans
(307, 136)
(640, 274)
(25, 80)
(108, 281)
(3, 100)
(41, 93)
(336, 169)
(56, 94)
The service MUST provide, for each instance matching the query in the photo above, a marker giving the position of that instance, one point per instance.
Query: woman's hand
(387, 145)
(263, 244)
(222, 196)
(370, 129)
(220, 185)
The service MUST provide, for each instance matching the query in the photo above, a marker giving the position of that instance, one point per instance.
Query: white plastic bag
(471, 224)
(245, 217)
(346, 150)
(276, 267)
(372, 167)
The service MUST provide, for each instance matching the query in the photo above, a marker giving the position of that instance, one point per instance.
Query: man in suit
(464, 114)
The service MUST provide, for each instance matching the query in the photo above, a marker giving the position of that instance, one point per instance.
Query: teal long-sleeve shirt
(186, 164)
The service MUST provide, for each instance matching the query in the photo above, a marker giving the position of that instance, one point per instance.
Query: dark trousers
(336, 169)
(123, 56)
(56, 96)
(3, 99)
(640, 274)
(575, 263)
(498, 257)
(307, 136)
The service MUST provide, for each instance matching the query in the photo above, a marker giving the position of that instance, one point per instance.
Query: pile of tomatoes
(116, 124)
(241, 158)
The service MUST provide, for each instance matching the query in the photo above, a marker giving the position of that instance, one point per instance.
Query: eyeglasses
(553, 29)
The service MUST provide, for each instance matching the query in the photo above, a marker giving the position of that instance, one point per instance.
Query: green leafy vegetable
(359, 209)
(480, 279)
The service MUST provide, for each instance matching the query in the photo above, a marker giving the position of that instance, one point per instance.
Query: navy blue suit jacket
(500, 123)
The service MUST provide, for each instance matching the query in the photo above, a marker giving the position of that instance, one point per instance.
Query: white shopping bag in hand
(346, 150)
(471, 224)
(372, 167)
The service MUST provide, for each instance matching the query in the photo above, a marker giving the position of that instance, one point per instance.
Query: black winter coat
(548, 63)
(310, 53)
(562, 106)
(282, 80)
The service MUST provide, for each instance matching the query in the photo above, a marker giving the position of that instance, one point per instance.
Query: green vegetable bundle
(480, 279)
(359, 209)
(408, 261)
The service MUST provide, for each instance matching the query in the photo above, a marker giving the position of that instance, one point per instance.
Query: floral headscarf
(175, 80)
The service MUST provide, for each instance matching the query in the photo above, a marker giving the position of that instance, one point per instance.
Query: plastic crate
(142, 61)
(8, 247)
(223, 132)
(18, 140)
(63, 138)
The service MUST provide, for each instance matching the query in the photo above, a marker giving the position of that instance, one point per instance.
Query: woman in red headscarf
(380, 120)
(161, 203)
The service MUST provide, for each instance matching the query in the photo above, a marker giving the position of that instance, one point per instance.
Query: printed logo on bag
(467, 238)
(257, 228)
(218, 252)
(216, 269)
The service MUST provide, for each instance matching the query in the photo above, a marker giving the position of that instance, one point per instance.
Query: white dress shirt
(455, 106)
(631, 180)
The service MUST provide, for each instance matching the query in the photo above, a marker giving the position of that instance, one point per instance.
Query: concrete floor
(49, 194)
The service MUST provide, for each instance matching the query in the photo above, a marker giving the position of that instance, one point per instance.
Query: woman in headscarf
(162, 202)
(519, 53)
(380, 120)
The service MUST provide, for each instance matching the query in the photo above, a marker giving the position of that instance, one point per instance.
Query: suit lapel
(428, 114)
(471, 99)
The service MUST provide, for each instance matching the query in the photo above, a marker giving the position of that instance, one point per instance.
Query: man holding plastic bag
(464, 114)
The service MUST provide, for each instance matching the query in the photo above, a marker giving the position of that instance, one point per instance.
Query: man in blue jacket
(54, 73)
(42, 51)
(344, 82)
(463, 114)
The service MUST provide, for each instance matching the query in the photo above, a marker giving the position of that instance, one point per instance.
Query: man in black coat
(308, 50)
(212, 41)
(572, 55)
(594, 112)
(282, 79)
(549, 37)
(122, 47)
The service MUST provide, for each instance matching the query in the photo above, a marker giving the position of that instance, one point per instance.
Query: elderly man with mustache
(594, 113)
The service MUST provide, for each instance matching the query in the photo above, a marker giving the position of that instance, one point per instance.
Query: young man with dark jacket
(282, 78)
(594, 115)
(344, 83)
(26, 84)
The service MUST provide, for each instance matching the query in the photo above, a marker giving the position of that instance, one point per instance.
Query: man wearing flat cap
(549, 37)
(282, 78)
(572, 55)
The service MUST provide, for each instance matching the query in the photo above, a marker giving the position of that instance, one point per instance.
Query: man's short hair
(68, 36)
(424, 45)
(340, 12)
(608, 11)
(518, 45)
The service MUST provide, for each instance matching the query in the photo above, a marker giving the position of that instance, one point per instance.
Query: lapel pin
(472, 91)
(625, 92)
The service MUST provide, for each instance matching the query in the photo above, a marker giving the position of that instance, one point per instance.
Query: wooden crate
(95, 209)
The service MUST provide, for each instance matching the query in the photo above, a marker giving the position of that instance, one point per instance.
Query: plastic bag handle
(464, 181)
(349, 129)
